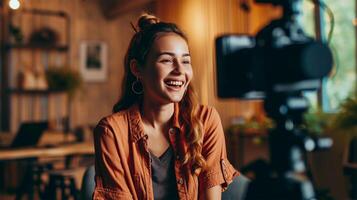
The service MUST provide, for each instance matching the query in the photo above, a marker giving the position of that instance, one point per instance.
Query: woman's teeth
(174, 83)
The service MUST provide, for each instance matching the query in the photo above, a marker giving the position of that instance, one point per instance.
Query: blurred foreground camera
(280, 58)
(277, 65)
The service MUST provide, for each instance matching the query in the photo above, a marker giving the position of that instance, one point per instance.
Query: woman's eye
(166, 61)
(186, 62)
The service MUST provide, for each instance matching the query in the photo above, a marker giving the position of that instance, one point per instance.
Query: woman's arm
(214, 193)
(218, 172)
(110, 181)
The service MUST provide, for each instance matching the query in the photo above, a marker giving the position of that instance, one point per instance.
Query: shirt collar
(136, 126)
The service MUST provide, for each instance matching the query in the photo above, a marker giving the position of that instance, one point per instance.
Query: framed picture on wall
(93, 61)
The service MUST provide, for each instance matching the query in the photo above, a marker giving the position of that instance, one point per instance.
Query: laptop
(28, 134)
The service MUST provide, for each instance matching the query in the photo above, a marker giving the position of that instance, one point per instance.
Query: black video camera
(280, 58)
(278, 64)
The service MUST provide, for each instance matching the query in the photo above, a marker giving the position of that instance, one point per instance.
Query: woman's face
(167, 70)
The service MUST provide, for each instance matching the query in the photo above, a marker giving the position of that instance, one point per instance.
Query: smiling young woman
(159, 143)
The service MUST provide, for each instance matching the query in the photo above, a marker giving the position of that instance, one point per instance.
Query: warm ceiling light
(14, 4)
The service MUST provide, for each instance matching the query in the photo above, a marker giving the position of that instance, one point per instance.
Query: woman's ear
(134, 68)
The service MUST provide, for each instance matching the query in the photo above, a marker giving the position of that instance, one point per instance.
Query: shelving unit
(60, 48)
(33, 92)
(17, 104)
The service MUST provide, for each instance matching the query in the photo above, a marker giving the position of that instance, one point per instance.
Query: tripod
(285, 177)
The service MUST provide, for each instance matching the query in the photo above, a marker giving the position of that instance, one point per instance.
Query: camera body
(281, 57)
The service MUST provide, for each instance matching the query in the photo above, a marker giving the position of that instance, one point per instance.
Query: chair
(235, 191)
(88, 184)
(64, 183)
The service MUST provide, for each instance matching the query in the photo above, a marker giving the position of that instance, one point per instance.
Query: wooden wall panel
(203, 21)
(94, 100)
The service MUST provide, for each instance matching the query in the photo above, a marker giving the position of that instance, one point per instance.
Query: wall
(95, 99)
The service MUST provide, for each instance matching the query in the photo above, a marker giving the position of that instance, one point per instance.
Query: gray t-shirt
(163, 176)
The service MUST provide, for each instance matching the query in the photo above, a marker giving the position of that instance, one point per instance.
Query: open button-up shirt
(123, 164)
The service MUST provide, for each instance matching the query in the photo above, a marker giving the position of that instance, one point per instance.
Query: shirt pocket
(110, 194)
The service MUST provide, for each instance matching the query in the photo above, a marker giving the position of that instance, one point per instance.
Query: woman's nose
(178, 66)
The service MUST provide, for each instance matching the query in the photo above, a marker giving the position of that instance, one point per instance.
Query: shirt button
(180, 181)
(177, 157)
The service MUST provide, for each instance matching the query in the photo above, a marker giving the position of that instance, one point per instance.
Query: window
(342, 81)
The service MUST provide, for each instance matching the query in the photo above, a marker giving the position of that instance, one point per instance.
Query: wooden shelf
(38, 46)
(17, 104)
(34, 92)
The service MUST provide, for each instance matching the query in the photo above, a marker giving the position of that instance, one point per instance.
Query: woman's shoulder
(114, 119)
(114, 125)
(211, 121)
(207, 113)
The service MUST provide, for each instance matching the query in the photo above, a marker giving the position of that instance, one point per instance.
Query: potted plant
(63, 79)
(346, 118)
(317, 122)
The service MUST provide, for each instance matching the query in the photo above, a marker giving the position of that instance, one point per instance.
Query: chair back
(237, 189)
(88, 184)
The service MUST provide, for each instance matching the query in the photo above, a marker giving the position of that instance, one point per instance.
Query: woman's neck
(156, 115)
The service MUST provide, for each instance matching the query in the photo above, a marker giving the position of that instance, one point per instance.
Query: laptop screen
(29, 134)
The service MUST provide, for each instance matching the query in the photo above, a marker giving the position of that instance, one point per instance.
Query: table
(32, 154)
(49, 137)
(47, 152)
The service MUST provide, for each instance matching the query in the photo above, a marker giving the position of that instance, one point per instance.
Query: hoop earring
(136, 87)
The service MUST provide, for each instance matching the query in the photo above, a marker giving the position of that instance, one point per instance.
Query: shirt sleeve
(218, 169)
(109, 177)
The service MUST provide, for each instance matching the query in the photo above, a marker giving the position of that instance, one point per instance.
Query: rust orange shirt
(123, 164)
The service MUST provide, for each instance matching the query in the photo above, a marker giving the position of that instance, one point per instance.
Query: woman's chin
(175, 98)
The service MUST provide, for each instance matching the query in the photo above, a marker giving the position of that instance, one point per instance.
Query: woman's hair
(148, 29)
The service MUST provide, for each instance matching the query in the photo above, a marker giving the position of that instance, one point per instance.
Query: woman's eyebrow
(172, 54)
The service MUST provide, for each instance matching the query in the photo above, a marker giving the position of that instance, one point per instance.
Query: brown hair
(148, 28)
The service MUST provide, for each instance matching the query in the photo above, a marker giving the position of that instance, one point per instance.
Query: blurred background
(61, 65)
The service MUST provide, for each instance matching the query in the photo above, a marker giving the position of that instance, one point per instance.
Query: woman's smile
(175, 85)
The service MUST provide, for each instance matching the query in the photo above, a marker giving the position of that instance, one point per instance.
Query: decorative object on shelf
(26, 79)
(16, 35)
(41, 80)
(93, 61)
(63, 78)
(32, 80)
(44, 36)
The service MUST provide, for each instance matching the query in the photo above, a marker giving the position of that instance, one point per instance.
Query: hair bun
(146, 20)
